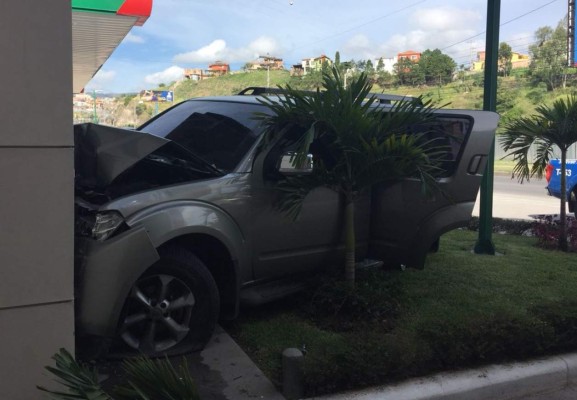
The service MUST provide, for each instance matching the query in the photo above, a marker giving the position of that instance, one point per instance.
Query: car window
(447, 134)
(219, 132)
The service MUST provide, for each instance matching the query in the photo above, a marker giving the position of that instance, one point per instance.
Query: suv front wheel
(173, 308)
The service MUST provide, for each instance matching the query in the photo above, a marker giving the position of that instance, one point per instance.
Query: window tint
(447, 134)
(218, 132)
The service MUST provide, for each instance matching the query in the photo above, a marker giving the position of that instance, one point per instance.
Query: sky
(192, 34)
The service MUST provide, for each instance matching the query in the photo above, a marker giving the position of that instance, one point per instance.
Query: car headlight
(99, 225)
(105, 224)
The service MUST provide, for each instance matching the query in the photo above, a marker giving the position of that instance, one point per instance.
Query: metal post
(571, 33)
(484, 243)
(292, 373)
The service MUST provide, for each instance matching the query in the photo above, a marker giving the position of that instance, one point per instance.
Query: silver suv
(175, 223)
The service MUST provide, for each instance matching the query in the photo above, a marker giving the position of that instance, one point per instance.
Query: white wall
(36, 186)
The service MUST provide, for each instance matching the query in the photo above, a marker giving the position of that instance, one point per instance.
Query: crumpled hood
(102, 153)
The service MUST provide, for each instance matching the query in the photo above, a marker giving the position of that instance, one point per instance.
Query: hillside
(516, 96)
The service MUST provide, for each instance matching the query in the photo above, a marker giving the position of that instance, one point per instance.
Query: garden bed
(462, 310)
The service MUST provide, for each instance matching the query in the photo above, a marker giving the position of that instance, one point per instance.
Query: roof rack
(391, 98)
(259, 91)
(383, 98)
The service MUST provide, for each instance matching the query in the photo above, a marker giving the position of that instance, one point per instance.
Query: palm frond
(81, 381)
(156, 380)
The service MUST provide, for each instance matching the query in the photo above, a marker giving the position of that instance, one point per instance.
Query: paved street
(569, 393)
(519, 201)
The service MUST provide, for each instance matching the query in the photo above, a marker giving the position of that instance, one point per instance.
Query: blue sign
(165, 95)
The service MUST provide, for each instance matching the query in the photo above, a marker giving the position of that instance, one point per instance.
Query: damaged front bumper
(105, 274)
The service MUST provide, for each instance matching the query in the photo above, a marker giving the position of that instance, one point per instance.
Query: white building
(388, 64)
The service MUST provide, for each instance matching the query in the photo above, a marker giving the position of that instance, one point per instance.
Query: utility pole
(571, 34)
(484, 243)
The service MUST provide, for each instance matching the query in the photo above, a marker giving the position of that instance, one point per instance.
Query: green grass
(462, 310)
(504, 167)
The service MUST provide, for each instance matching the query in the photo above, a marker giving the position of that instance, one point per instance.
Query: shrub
(547, 233)
(500, 225)
(145, 379)
(335, 306)
(536, 96)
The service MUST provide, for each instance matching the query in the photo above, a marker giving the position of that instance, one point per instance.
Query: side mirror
(287, 164)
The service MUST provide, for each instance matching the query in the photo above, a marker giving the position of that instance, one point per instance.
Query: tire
(172, 308)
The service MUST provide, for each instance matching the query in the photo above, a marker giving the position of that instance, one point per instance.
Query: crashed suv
(175, 223)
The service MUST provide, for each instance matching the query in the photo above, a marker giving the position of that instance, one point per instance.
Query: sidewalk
(224, 372)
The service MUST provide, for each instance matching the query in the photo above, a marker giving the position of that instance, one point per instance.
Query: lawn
(462, 310)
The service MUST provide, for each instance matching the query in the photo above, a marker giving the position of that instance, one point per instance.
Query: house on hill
(195, 74)
(387, 64)
(297, 70)
(218, 68)
(412, 55)
(518, 60)
(265, 62)
(315, 64)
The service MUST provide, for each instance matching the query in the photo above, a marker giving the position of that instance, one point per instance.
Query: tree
(361, 65)
(385, 78)
(505, 57)
(356, 145)
(369, 69)
(337, 59)
(380, 65)
(549, 56)
(554, 125)
(436, 67)
(409, 72)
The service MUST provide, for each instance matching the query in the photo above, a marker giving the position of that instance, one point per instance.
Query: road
(519, 201)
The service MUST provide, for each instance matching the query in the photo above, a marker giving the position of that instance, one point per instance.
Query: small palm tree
(359, 145)
(554, 125)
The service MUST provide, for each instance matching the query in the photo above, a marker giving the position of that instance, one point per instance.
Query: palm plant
(554, 125)
(359, 145)
(147, 379)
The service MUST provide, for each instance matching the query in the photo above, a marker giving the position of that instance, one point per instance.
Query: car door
(284, 246)
(405, 224)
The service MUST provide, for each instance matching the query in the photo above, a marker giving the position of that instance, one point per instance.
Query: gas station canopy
(98, 27)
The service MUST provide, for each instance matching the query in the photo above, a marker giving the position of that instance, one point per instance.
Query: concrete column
(36, 192)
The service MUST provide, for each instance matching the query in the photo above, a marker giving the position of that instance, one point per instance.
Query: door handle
(475, 164)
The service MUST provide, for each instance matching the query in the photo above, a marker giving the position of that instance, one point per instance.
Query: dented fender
(106, 272)
(170, 220)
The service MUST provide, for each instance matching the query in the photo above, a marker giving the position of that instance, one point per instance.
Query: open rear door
(405, 224)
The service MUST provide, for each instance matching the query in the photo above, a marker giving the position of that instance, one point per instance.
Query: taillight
(548, 172)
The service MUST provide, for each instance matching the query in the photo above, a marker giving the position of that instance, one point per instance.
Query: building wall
(388, 64)
(36, 205)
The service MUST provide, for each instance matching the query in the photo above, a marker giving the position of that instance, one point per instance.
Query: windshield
(218, 132)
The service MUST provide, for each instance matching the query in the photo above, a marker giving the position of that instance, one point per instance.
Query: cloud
(262, 45)
(218, 50)
(170, 74)
(132, 38)
(361, 47)
(207, 53)
(444, 19)
(102, 79)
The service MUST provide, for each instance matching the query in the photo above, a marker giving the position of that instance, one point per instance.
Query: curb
(496, 382)
(242, 379)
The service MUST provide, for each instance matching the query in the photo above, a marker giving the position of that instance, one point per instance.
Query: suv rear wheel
(172, 308)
